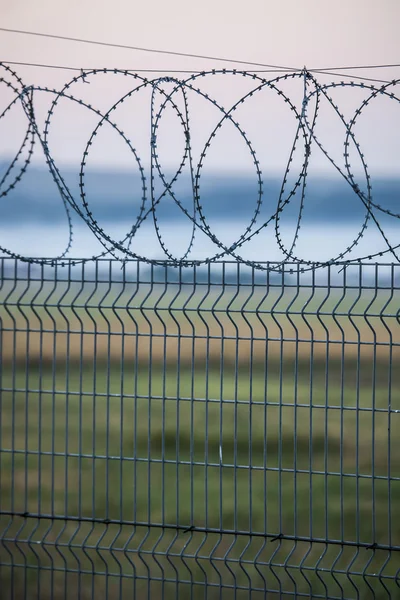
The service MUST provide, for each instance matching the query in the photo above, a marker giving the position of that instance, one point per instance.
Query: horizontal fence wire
(213, 431)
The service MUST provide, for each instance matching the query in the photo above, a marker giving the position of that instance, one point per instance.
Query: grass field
(202, 414)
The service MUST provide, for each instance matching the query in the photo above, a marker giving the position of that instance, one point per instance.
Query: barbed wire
(172, 95)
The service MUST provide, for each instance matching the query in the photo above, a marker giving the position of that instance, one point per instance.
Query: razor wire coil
(171, 93)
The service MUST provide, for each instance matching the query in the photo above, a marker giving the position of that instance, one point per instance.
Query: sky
(290, 33)
(315, 34)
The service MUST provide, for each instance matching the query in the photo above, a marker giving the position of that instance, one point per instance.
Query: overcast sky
(315, 33)
(292, 33)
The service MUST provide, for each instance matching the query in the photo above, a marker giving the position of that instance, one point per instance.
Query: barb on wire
(168, 93)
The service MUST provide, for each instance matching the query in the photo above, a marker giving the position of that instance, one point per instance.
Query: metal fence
(201, 432)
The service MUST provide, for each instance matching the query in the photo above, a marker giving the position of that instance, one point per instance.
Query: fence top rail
(226, 273)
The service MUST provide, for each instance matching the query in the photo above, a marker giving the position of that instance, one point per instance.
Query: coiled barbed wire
(173, 94)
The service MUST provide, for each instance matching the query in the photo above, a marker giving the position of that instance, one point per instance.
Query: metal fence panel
(203, 432)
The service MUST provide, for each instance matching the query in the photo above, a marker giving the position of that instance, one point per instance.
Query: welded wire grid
(201, 432)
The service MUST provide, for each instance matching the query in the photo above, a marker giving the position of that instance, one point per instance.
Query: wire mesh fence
(203, 432)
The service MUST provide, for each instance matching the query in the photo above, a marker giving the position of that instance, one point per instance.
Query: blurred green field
(265, 423)
(132, 451)
(178, 322)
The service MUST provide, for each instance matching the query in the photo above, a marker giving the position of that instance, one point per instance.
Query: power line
(67, 68)
(357, 67)
(152, 50)
(189, 55)
(26, 64)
